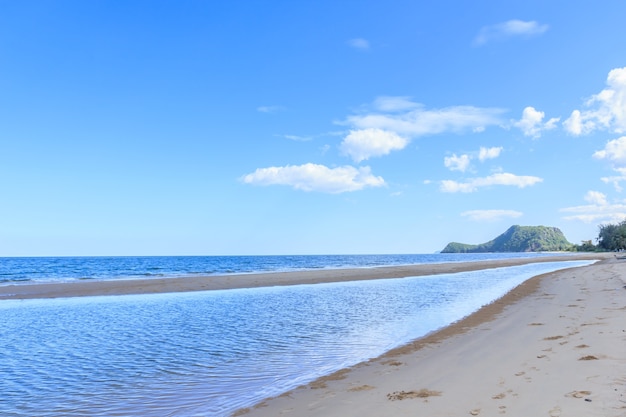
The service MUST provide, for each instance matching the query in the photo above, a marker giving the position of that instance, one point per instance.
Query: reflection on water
(209, 353)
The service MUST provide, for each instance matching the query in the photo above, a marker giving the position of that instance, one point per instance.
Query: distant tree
(612, 236)
(585, 246)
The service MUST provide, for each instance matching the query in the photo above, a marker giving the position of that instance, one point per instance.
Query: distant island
(518, 239)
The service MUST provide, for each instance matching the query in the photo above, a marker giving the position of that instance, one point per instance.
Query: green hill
(517, 239)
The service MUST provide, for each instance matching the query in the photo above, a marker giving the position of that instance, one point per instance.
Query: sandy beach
(554, 346)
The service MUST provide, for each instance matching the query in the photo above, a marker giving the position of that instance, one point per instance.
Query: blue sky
(308, 127)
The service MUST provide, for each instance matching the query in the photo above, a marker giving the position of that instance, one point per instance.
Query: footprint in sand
(555, 412)
(578, 394)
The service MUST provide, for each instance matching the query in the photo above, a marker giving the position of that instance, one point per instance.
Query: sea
(211, 353)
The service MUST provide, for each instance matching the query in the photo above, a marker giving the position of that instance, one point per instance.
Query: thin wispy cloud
(391, 122)
(314, 177)
(599, 210)
(502, 178)
(509, 29)
(491, 215)
(414, 119)
(392, 104)
(270, 109)
(359, 43)
(298, 138)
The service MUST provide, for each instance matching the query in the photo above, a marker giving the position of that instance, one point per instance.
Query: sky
(306, 127)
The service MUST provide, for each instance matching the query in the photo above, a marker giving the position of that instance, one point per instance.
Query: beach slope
(554, 346)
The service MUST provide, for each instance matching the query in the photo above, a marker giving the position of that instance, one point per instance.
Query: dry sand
(554, 346)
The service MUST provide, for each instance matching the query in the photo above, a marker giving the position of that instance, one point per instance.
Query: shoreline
(255, 280)
(551, 346)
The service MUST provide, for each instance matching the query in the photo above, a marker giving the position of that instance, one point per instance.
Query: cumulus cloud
(400, 115)
(603, 111)
(509, 29)
(462, 162)
(531, 123)
(313, 177)
(489, 153)
(502, 178)
(598, 211)
(614, 152)
(366, 143)
(491, 215)
(359, 43)
(457, 163)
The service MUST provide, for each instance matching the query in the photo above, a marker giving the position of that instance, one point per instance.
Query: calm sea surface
(210, 353)
(24, 270)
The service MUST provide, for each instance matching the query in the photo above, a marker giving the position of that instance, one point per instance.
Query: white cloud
(599, 211)
(491, 215)
(394, 103)
(489, 153)
(605, 110)
(596, 197)
(531, 123)
(614, 151)
(457, 163)
(365, 143)
(508, 29)
(616, 180)
(297, 138)
(503, 178)
(417, 121)
(270, 109)
(313, 177)
(462, 163)
(359, 43)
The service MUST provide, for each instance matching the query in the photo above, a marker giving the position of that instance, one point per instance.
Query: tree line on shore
(611, 237)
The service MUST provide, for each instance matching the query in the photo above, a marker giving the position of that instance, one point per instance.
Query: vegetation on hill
(518, 239)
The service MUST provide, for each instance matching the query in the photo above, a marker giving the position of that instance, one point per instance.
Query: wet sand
(205, 283)
(554, 346)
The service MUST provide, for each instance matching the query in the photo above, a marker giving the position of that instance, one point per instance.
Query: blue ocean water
(24, 270)
(210, 353)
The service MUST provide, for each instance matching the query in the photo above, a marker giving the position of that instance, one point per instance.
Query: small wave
(14, 280)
